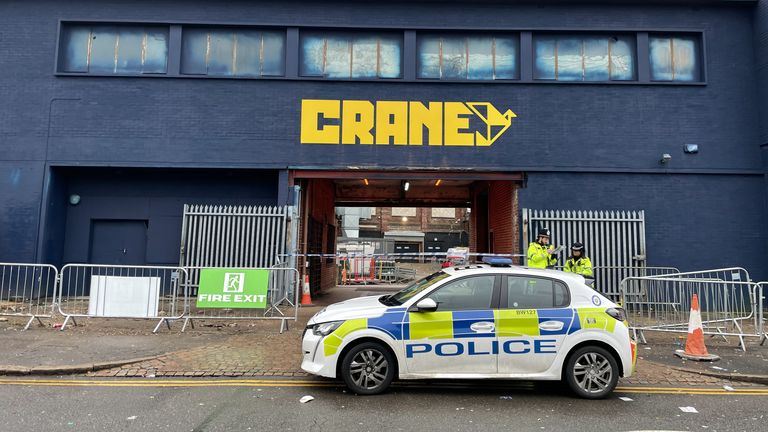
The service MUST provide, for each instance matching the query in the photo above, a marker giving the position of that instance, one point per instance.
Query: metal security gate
(614, 241)
(235, 237)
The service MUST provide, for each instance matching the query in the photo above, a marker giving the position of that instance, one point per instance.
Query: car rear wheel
(592, 372)
(368, 368)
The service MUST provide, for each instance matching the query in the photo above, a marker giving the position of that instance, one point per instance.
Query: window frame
(409, 51)
(700, 50)
(581, 36)
(441, 35)
(495, 295)
(64, 26)
(504, 300)
(234, 29)
(352, 34)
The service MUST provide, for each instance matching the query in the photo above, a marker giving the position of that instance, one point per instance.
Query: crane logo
(496, 123)
(402, 123)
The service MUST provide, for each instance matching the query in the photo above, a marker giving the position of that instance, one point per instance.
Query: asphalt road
(243, 405)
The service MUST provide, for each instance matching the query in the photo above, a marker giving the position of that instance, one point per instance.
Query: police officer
(540, 253)
(578, 262)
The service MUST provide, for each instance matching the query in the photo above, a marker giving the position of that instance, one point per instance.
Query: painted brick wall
(692, 222)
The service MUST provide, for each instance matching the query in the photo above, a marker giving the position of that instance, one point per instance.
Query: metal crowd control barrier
(122, 291)
(27, 290)
(662, 304)
(760, 297)
(608, 278)
(282, 299)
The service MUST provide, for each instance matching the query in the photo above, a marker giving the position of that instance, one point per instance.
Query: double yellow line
(187, 383)
(694, 391)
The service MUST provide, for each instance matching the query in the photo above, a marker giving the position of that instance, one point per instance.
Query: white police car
(477, 321)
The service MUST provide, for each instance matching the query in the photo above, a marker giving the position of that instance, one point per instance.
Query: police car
(477, 321)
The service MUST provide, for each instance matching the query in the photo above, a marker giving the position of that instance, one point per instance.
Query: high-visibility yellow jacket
(538, 256)
(582, 266)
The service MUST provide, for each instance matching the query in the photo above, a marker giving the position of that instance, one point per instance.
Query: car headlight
(325, 329)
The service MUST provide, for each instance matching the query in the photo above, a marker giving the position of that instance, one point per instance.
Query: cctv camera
(666, 157)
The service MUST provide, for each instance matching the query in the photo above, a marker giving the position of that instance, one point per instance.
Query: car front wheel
(592, 372)
(368, 368)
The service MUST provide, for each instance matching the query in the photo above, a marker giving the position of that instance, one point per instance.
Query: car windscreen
(415, 288)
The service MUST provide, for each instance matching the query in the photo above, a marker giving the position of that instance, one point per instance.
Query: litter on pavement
(306, 399)
(688, 409)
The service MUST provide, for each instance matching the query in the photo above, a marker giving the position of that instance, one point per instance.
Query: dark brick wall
(761, 67)
(692, 222)
(156, 122)
(155, 195)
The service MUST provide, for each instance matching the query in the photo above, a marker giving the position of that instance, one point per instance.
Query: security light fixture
(404, 219)
(406, 185)
(74, 199)
(691, 148)
(365, 181)
(665, 158)
(437, 183)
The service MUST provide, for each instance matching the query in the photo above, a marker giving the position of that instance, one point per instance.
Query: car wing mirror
(426, 305)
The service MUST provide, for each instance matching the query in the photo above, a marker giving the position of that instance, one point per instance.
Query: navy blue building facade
(139, 147)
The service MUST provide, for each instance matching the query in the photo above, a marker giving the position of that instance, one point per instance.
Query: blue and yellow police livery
(477, 321)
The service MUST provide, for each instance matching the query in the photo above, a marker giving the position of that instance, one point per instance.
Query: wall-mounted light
(437, 183)
(74, 199)
(665, 158)
(691, 148)
(406, 185)
(365, 181)
(404, 219)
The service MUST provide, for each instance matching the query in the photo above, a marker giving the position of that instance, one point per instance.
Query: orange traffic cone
(306, 298)
(694, 344)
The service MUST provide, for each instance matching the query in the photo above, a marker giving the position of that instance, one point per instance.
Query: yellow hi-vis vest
(582, 266)
(538, 256)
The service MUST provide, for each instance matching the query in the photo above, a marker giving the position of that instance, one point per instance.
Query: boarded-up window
(404, 211)
(675, 58)
(584, 58)
(233, 52)
(106, 49)
(351, 55)
(443, 213)
(468, 57)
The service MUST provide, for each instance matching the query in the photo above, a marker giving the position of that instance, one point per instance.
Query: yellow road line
(327, 384)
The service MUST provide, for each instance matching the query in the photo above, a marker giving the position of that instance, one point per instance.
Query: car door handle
(482, 327)
(551, 325)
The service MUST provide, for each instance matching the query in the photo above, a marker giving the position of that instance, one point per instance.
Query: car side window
(525, 292)
(471, 293)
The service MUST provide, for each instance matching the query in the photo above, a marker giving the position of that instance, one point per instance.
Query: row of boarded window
(252, 53)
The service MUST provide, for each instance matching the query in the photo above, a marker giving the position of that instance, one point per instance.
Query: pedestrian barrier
(27, 290)
(760, 297)
(663, 303)
(608, 278)
(122, 291)
(282, 302)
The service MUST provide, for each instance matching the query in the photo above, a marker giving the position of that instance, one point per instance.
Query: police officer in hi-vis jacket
(540, 253)
(578, 262)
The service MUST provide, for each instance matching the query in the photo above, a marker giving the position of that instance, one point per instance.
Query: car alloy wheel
(368, 368)
(592, 372)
